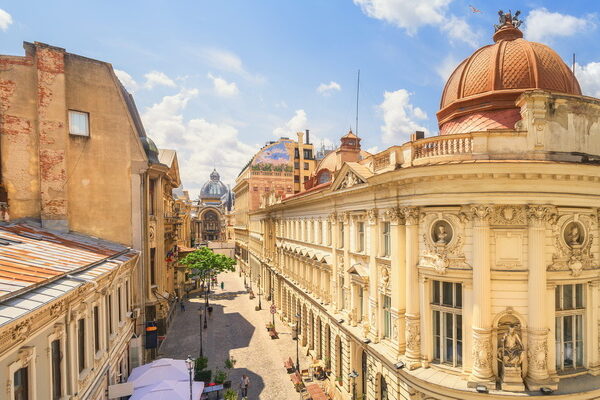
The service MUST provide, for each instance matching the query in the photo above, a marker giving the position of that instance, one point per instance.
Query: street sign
(273, 309)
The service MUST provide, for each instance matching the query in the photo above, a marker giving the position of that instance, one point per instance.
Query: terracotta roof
(495, 75)
(31, 257)
(482, 121)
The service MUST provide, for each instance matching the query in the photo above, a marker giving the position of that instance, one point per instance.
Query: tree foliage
(204, 262)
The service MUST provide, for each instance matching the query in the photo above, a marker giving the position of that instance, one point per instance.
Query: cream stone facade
(453, 265)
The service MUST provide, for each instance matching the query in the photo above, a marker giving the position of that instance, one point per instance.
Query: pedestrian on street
(244, 383)
(182, 305)
(222, 285)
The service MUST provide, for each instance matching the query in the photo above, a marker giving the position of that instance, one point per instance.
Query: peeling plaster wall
(70, 182)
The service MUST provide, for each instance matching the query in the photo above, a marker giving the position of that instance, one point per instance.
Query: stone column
(481, 372)
(373, 251)
(397, 276)
(537, 330)
(593, 304)
(413, 329)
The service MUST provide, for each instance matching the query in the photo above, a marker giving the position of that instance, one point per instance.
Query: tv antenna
(357, 94)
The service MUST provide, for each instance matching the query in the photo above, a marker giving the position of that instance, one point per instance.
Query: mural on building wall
(277, 157)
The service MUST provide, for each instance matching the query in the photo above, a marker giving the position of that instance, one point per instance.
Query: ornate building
(459, 266)
(212, 213)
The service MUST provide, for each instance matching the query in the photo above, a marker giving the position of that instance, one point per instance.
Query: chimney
(53, 127)
(307, 137)
(417, 135)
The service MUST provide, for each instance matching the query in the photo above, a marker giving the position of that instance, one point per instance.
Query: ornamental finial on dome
(508, 28)
(214, 176)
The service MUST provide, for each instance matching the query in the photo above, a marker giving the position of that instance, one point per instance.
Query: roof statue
(508, 19)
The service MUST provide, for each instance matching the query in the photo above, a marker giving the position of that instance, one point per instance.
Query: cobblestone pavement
(236, 329)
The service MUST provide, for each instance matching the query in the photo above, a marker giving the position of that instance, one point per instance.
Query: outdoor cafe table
(316, 393)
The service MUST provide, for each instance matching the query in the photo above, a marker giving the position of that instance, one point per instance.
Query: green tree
(204, 263)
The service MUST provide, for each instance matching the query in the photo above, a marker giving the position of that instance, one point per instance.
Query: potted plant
(230, 394)
(201, 374)
(229, 365)
(220, 377)
(339, 380)
(270, 326)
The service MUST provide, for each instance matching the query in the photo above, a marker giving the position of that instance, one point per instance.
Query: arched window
(383, 390)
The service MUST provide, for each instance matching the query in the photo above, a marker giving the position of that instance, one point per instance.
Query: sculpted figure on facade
(443, 245)
(512, 348)
(573, 243)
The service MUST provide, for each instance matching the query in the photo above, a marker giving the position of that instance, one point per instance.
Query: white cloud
(373, 150)
(130, 84)
(157, 78)
(459, 30)
(327, 88)
(297, 123)
(542, 25)
(448, 65)
(413, 14)
(222, 87)
(5, 20)
(399, 117)
(225, 60)
(589, 78)
(201, 144)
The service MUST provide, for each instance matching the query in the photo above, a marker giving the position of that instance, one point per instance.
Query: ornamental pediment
(350, 175)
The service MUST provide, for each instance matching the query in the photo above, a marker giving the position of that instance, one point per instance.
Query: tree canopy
(204, 261)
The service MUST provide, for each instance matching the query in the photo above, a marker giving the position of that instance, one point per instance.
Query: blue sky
(215, 80)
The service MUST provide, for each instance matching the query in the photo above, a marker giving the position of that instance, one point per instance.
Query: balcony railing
(443, 146)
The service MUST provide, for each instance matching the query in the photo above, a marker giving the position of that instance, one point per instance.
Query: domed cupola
(481, 92)
(213, 188)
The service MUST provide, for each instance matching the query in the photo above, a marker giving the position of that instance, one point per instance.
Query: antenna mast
(357, 93)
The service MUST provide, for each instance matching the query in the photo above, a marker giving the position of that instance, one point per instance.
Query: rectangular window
(305, 165)
(151, 195)
(120, 304)
(387, 241)
(297, 164)
(387, 317)
(296, 153)
(109, 314)
(308, 154)
(153, 266)
(81, 343)
(96, 329)
(79, 123)
(341, 239)
(446, 304)
(360, 237)
(21, 384)
(56, 371)
(569, 328)
(296, 178)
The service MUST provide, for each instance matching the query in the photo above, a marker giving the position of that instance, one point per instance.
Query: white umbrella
(159, 370)
(168, 390)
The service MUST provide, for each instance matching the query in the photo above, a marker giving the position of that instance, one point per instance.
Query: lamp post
(353, 375)
(189, 362)
(298, 320)
(259, 304)
(200, 315)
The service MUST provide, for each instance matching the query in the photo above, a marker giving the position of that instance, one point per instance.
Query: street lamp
(353, 375)
(298, 319)
(259, 305)
(200, 315)
(189, 362)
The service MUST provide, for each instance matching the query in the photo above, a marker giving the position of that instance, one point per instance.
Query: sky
(215, 80)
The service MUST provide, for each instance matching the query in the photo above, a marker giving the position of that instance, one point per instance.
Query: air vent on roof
(5, 242)
(9, 241)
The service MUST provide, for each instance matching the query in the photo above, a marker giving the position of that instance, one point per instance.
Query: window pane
(448, 357)
(558, 334)
(568, 362)
(458, 289)
(449, 328)
(568, 328)
(579, 295)
(557, 298)
(579, 327)
(459, 339)
(567, 297)
(447, 293)
(436, 323)
(436, 292)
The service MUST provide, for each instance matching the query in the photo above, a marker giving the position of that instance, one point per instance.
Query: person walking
(182, 305)
(244, 383)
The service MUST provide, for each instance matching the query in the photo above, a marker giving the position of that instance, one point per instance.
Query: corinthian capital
(393, 215)
(372, 216)
(411, 214)
(332, 217)
(481, 212)
(541, 213)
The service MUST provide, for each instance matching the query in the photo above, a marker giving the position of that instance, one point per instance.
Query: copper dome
(493, 77)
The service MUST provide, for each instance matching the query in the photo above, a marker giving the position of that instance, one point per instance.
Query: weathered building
(459, 266)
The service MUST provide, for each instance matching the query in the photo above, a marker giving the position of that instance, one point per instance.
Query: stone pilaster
(537, 330)
(398, 271)
(373, 251)
(413, 335)
(481, 351)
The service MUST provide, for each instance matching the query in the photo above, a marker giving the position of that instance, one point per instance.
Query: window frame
(387, 316)
(440, 310)
(72, 112)
(360, 236)
(81, 346)
(574, 312)
(386, 248)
